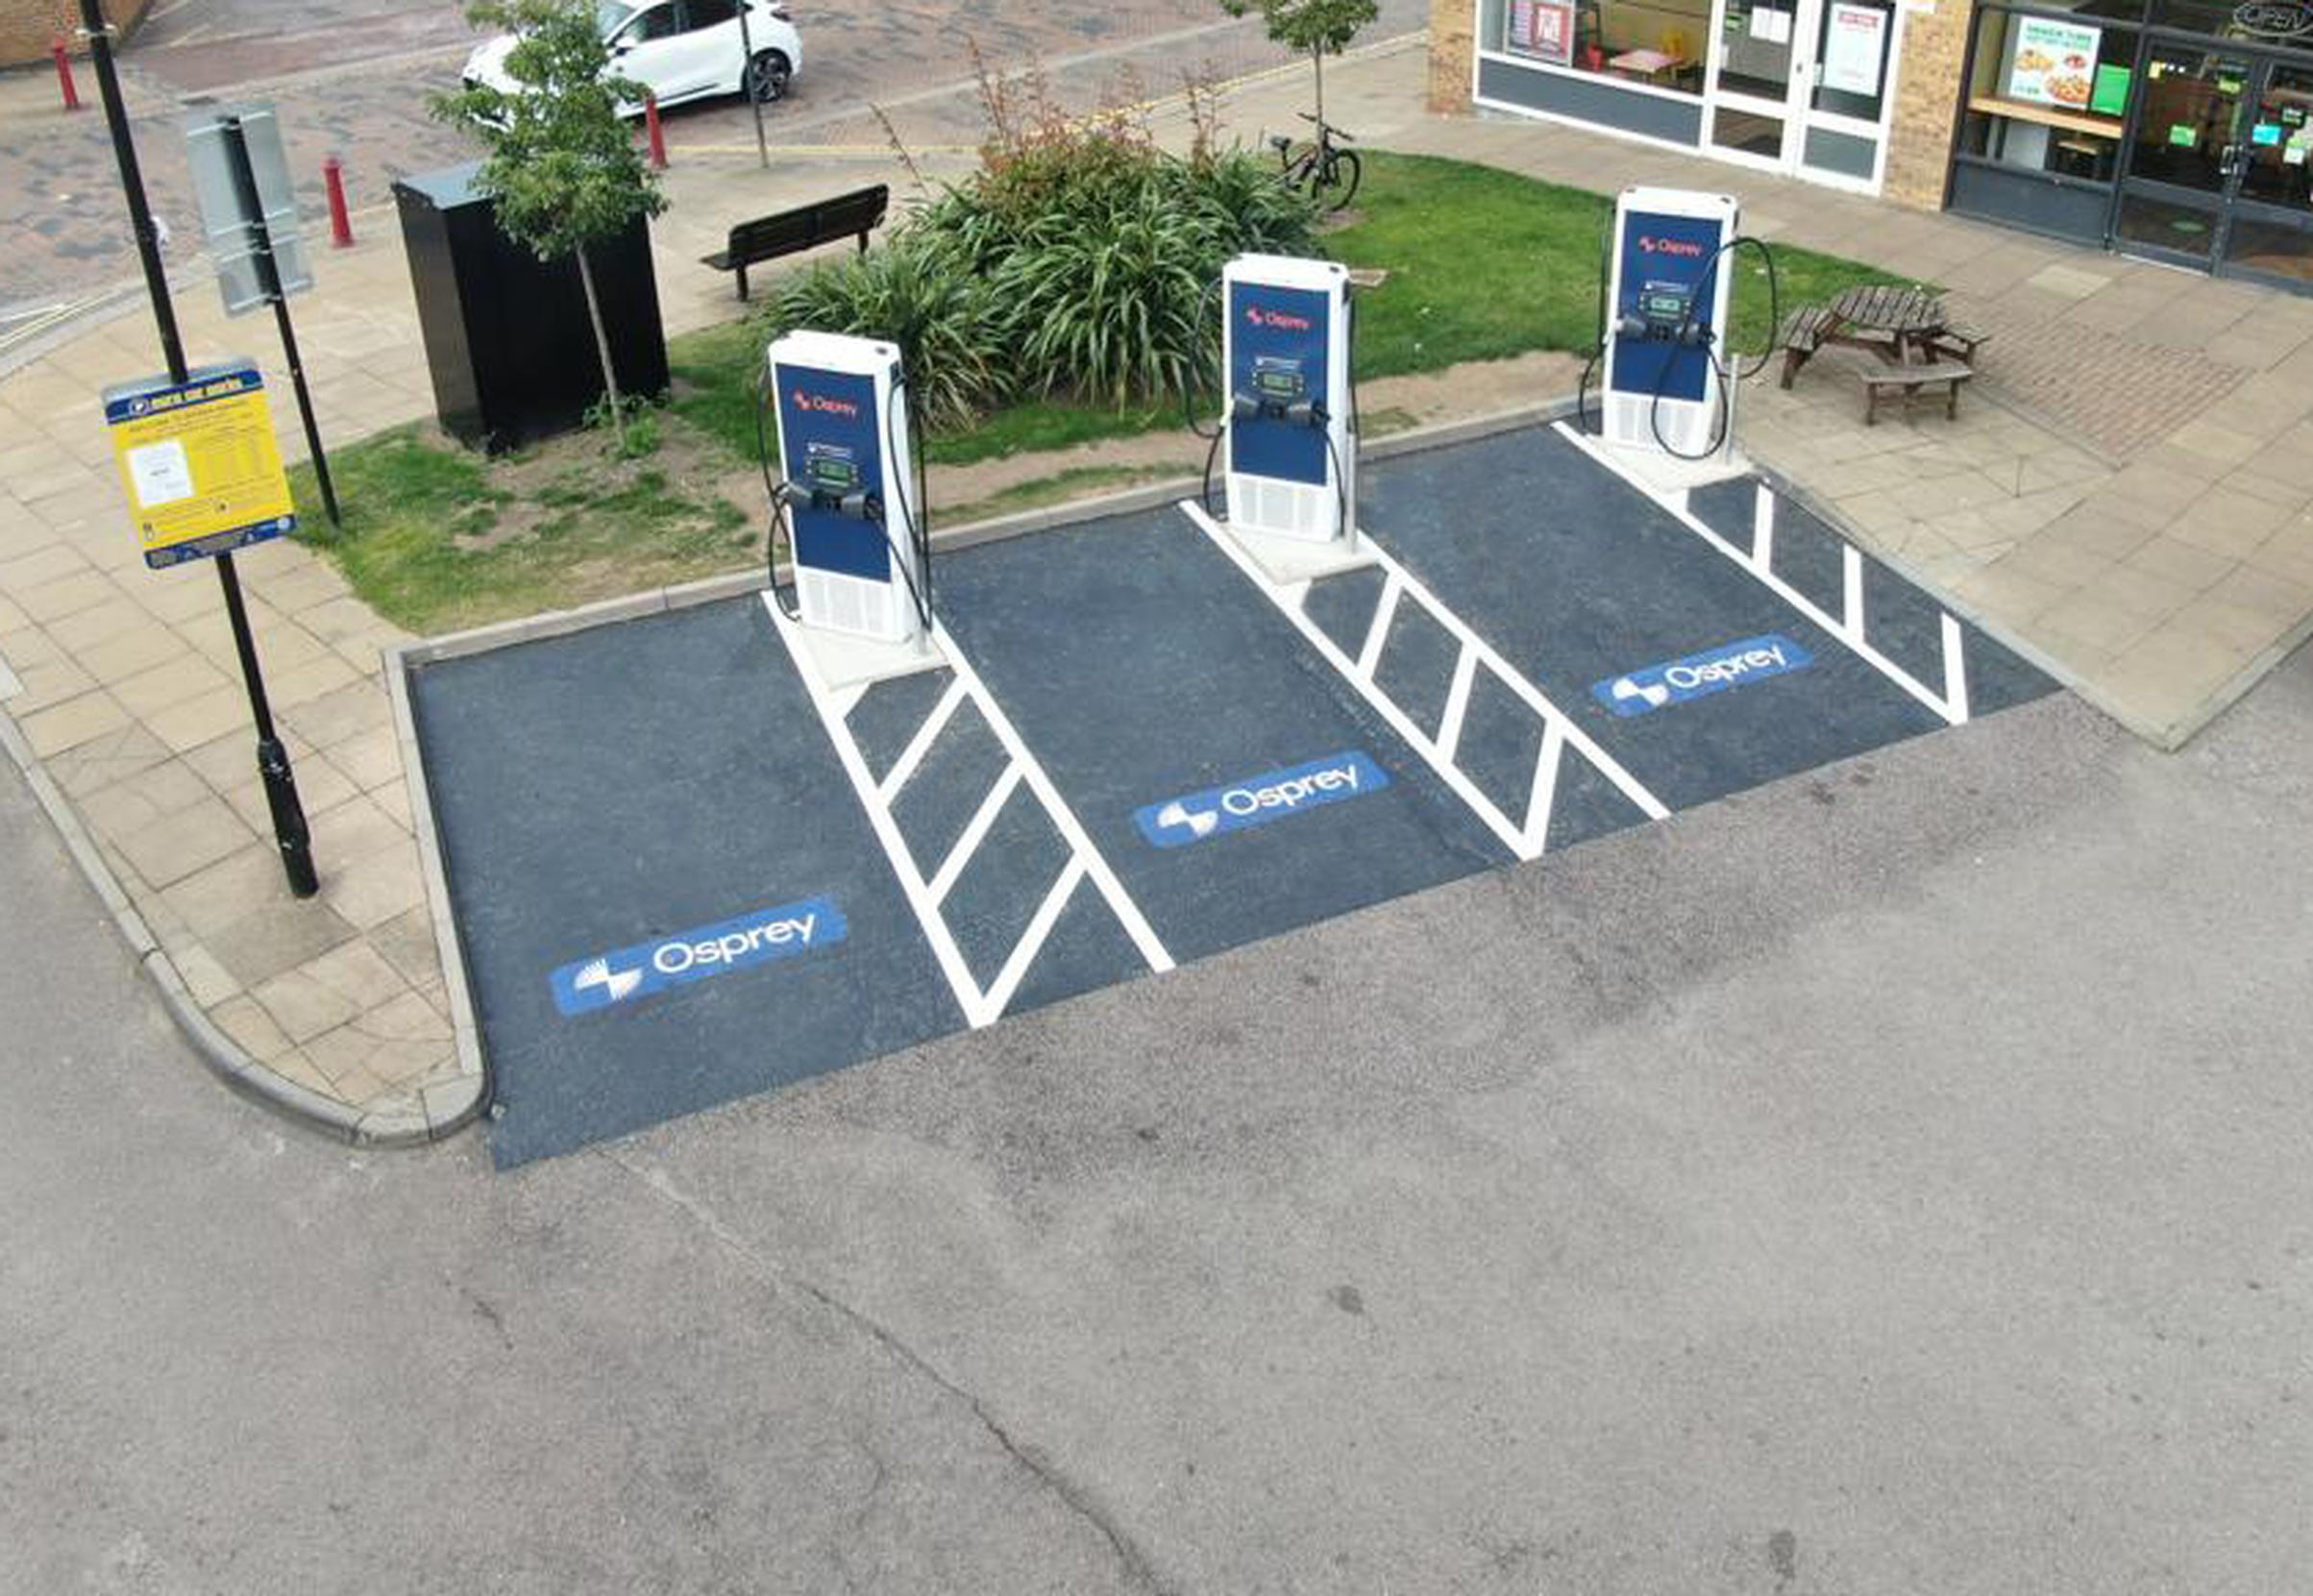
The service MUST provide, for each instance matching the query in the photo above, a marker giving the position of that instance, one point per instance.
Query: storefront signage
(2183, 134)
(2110, 97)
(1854, 45)
(2275, 19)
(2051, 62)
(2265, 132)
(1543, 29)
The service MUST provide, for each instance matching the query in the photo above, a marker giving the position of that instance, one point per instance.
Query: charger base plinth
(1285, 560)
(845, 659)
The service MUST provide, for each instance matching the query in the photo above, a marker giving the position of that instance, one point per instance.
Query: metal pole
(272, 759)
(269, 280)
(747, 48)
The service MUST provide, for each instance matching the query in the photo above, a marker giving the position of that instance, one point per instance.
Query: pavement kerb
(392, 1122)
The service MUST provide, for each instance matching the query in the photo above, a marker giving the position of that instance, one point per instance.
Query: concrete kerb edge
(401, 658)
(447, 1106)
(225, 1058)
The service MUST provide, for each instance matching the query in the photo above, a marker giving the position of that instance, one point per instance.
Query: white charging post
(1668, 360)
(1292, 450)
(848, 459)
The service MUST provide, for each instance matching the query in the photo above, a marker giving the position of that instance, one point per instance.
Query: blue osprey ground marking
(1257, 800)
(1731, 665)
(628, 974)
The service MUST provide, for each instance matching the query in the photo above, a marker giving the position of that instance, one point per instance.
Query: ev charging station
(1668, 390)
(861, 564)
(1292, 469)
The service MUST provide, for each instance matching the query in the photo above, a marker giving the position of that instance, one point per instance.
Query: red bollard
(658, 136)
(341, 224)
(72, 95)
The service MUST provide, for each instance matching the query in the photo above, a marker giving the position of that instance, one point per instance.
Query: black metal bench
(852, 215)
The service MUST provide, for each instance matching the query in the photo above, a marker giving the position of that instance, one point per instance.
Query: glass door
(1756, 90)
(2269, 235)
(1842, 129)
(2187, 156)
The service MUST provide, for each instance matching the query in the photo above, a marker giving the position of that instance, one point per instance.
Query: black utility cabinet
(507, 334)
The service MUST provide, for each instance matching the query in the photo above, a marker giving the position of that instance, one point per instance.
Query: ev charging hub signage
(1285, 347)
(845, 448)
(1665, 387)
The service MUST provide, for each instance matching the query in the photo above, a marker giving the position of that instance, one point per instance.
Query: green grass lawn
(1482, 264)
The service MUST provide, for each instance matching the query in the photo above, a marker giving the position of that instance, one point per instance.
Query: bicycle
(1330, 175)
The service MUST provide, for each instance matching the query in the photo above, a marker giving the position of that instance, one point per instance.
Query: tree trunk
(601, 349)
(1316, 56)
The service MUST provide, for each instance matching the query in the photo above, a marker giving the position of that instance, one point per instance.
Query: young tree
(1322, 27)
(562, 165)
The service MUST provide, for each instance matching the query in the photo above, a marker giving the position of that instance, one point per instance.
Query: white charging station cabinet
(1666, 364)
(1292, 469)
(849, 460)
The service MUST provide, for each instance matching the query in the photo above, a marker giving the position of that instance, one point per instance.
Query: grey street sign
(230, 216)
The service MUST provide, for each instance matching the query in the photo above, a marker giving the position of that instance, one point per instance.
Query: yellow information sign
(199, 462)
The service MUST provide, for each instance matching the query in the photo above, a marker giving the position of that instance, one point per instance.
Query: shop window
(2048, 92)
(1658, 44)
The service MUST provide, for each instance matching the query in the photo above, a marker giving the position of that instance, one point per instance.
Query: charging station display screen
(1668, 263)
(834, 436)
(1276, 344)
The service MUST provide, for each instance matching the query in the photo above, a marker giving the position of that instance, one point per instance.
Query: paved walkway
(2132, 505)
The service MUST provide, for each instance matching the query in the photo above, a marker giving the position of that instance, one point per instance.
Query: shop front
(1802, 87)
(2174, 130)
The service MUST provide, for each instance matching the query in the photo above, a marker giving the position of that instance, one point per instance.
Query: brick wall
(1926, 99)
(26, 27)
(1453, 52)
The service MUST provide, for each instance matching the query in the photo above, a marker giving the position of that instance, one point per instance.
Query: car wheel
(768, 76)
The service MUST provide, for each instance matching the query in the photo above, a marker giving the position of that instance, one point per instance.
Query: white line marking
(1546, 786)
(948, 956)
(1119, 902)
(1378, 634)
(1955, 714)
(1512, 836)
(1457, 703)
(1853, 590)
(10, 684)
(1762, 530)
(1956, 665)
(1032, 940)
(981, 1007)
(974, 834)
(904, 767)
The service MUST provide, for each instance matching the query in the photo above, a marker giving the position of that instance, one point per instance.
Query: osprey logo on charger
(1257, 800)
(804, 400)
(1699, 675)
(608, 980)
(1284, 321)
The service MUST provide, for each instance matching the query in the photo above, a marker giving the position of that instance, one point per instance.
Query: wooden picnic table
(1888, 314)
(1888, 319)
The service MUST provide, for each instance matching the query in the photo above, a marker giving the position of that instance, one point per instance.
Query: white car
(679, 49)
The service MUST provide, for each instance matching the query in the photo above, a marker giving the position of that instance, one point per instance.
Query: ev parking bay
(684, 869)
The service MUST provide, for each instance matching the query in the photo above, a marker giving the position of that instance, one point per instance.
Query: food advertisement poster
(1542, 29)
(2054, 63)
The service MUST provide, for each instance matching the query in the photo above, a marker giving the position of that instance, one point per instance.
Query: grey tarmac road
(1893, 1181)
